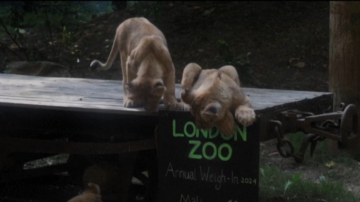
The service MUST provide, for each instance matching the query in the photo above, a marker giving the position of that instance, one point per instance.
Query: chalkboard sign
(205, 166)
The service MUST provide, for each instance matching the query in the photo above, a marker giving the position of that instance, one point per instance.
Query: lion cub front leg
(169, 95)
(190, 73)
(125, 71)
(244, 114)
(124, 63)
(130, 103)
(128, 85)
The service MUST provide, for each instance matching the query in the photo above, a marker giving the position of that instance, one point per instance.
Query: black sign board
(205, 166)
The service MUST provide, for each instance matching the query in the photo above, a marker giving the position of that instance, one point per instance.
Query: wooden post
(344, 60)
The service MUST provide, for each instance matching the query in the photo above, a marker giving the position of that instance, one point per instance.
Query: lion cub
(213, 96)
(90, 194)
(147, 68)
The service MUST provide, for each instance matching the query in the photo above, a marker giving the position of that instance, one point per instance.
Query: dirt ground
(343, 170)
(278, 45)
(281, 45)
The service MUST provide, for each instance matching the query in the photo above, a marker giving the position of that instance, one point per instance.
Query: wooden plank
(47, 146)
(107, 95)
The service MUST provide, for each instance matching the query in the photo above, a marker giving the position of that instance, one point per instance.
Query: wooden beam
(47, 146)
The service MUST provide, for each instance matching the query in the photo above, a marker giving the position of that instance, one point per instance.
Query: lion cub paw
(186, 107)
(128, 103)
(178, 106)
(245, 116)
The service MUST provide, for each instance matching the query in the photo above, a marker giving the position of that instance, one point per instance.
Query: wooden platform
(44, 116)
(94, 95)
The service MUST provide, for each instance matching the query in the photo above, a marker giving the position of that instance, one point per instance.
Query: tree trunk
(344, 60)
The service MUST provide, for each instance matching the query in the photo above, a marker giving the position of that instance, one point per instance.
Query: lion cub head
(214, 95)
(210, 105)
(206, 112)
(146, 92)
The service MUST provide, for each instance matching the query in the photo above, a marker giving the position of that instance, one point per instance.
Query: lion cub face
(146, 92)
(210, 105)
(207, 111)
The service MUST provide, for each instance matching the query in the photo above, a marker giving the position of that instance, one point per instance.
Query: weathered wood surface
(94, 95)
(46, 146)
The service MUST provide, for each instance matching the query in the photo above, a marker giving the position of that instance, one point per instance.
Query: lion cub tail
(96, 64)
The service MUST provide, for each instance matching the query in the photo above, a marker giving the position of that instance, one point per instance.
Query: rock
(208, 12)
(38, 68)
(300, 65)
(291, 60)
(14, 47)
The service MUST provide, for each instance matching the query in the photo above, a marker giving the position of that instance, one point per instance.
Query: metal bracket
(341, 126)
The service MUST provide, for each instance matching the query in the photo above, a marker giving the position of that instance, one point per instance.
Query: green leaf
(287, 185)
(208, 12)
(262, 172)
(22, 31)
(322, 178)
(296, 178)
(222, 41)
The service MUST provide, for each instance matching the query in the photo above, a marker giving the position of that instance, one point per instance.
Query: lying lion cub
(90, 194)
(147, 69)
(213, 96)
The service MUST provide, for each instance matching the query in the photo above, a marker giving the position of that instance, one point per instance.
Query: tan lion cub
(213, 96)
(147, 68)
(90, 194)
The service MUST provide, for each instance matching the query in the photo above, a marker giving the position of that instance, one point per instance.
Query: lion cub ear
(227, 125)
(211, 111)
(158, 86)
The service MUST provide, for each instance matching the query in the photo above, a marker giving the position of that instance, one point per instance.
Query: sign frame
(204, 166)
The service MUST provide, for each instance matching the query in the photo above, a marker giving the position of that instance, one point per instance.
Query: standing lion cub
(147, 68)
(214, 95)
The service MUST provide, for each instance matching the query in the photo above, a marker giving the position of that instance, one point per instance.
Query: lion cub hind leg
(139, 53)
(244, 114)
(190, 73)
(231, 72)
(227, 125)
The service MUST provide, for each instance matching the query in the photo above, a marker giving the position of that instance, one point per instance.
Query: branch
(51, 38)
(3, 45)
(8, 33)
(13, 39)
(60, 41)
